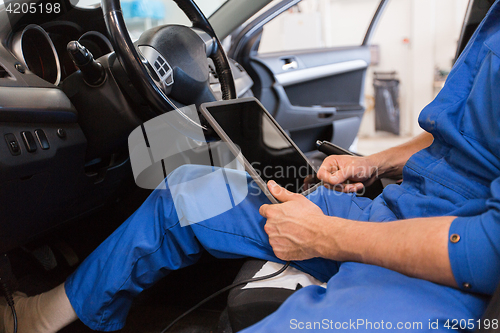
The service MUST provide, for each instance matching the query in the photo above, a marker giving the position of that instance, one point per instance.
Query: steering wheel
(171, 60)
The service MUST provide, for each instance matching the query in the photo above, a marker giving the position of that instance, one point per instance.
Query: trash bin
(386, 85)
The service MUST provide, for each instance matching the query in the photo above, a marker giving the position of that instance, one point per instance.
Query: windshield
(141, 15)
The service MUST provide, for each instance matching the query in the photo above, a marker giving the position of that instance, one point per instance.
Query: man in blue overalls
(421, 256)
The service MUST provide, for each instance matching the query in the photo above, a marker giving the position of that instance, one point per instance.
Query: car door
(315, 93)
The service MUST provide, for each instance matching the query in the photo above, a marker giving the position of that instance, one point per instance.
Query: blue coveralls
(458, 175)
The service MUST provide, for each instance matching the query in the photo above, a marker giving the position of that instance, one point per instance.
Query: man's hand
(293, 226)
(348, 173)
(298, 230)
(351, 173)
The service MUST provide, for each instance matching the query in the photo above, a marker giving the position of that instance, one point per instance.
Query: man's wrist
(376, 165)
(336, 240)
(386, 164)
(390, 162)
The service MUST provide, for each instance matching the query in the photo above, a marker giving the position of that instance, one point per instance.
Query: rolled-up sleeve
(474, 247)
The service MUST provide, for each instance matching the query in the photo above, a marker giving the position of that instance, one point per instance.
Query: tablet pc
(261, 145)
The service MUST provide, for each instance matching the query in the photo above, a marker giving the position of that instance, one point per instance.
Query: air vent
(3, 73)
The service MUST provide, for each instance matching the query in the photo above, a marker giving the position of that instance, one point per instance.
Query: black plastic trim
(35, 105)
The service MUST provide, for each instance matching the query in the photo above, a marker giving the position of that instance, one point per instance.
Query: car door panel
(315, 94)
(309, 91)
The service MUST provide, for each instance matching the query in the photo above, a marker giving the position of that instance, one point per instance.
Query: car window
(319, 24)
(141, 15)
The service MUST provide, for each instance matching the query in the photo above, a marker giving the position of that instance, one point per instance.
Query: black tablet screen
(268, 149)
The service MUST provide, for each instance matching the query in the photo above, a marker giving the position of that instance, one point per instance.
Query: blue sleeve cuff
(458, 254)
(473, 255)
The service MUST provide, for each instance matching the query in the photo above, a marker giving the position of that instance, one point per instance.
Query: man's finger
(327, 168)
(281, 193)
(323, 173)
(351, 188)
(333, 174)
(345, 187)
(339, 177)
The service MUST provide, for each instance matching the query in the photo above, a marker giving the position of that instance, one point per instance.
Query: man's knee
(187, 172)
(202, 192)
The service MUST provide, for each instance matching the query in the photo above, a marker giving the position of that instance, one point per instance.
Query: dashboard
(63, 144)
(44, 177)
(43, 51)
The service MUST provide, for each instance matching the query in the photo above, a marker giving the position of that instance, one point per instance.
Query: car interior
(74, 85)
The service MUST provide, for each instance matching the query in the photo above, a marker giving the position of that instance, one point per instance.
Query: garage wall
(415, 38)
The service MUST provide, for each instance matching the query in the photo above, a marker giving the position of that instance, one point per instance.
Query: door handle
(290, 64)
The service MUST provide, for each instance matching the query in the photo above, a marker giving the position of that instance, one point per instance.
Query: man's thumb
(280, 193)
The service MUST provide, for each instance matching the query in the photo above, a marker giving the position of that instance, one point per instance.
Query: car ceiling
(233, 14)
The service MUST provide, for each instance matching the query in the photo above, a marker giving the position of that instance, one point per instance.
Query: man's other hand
(293, 226)
(348, 173)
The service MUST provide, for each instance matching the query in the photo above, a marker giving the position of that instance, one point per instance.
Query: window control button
(29, 141)
(13, 144)
(42, 139)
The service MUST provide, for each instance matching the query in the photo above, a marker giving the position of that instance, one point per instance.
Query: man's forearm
(417, 247)
(390, 162)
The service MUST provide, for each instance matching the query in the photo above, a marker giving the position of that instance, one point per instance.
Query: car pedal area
(47, 256)
(44, 256)
(67, 253)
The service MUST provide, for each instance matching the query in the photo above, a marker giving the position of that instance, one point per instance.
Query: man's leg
(368, 298)
(152, 242)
